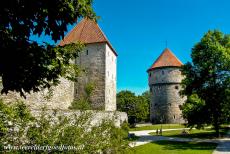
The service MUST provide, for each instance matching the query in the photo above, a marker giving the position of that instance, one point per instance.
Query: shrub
(19, 127)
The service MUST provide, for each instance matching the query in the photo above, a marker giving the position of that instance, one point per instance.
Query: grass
(157, 126)
(173, 147)
(206, 133)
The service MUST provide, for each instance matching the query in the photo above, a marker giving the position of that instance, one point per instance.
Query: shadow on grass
(175, 145)
(202, 135)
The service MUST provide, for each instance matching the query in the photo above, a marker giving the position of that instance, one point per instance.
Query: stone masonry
(164, 82)
(99, 62)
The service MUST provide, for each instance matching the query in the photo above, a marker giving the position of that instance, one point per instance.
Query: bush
(19, 127)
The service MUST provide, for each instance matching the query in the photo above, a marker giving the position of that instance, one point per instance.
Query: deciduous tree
(137, 107)
(207, 82)
(26, 65)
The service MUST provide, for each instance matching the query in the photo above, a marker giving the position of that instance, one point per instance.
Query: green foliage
(137, 107)
(18, 127)
(89, 88)
(13, 121)
(84, 102)
(207, 82)
(192, 110)
(80, 104)
(26, 65)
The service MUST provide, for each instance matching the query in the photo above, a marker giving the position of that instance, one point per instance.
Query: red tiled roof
(167, 58)
(86, 31)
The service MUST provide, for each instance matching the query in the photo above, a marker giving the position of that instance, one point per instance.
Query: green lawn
(158, 126)
(194, 133)
(172, 147)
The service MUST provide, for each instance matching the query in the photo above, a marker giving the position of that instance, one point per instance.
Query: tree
(207, 82)
(26, 65)
(137, 107)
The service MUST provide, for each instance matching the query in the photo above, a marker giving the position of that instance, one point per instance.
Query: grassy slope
(171, 147)
(158, 126)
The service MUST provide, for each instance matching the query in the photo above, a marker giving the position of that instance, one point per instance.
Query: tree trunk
(217, 128)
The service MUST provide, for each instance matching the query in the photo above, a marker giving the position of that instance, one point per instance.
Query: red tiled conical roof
(167, 58)
(86, 31)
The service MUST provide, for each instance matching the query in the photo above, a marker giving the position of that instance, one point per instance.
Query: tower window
(151, 89)
(163, 72)
(174, 117)
(150, 74)
(176, 87)
(87, 52)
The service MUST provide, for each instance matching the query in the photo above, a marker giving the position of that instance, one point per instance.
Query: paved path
(222, 148)
(224, 145)
(145, 137)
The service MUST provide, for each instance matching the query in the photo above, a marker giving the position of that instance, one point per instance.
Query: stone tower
(164, 78)
(99, 62)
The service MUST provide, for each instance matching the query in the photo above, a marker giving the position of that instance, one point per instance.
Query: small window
(176, 87)
(150, 74)
(151, 89)
(163, 72)
(174, 117)
(87, 52)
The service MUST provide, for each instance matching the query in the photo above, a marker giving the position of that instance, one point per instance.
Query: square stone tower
(99, 62)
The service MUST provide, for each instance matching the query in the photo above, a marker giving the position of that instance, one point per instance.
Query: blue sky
(138, 31)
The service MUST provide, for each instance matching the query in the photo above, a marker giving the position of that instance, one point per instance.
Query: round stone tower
(164, 83)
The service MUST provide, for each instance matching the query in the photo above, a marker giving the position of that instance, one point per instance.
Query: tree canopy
(207, 82)
(137, 107)
(26, 65)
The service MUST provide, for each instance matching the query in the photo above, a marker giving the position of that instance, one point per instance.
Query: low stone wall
(96, 117)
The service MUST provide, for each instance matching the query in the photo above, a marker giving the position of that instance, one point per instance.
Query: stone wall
(165, 75)
(92, 60)
(100, 64)
(110, 80)
(60, 98)
(164, 86)
(95, 117)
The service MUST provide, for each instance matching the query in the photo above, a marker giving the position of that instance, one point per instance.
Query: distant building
(164, 78)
